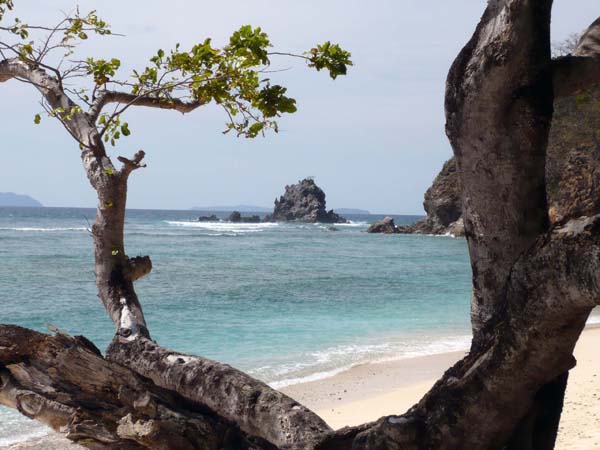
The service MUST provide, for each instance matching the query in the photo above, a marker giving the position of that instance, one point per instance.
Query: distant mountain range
(240, 208)
(349, 211)
(12, 199)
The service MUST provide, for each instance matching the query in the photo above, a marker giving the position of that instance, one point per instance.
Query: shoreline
(368, 391)
(346, 399)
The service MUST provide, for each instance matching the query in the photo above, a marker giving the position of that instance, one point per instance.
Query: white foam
(5, 442)
(318, 365)
(313, 377)
(225, 227)
(352, 224)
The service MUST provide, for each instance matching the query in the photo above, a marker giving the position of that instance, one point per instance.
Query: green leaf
(37, 119)
(255, 129)
(330, 57)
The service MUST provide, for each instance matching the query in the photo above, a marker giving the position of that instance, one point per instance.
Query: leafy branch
(234, 77)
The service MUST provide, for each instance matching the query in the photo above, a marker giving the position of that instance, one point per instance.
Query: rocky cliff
(572, 171)
(442, 203)
(573, 165)
(303, 202)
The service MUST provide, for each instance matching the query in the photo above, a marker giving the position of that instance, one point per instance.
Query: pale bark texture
(534, 285)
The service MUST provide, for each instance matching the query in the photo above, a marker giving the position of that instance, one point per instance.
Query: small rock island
(303, 202)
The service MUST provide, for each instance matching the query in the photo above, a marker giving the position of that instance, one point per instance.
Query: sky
(373, 140)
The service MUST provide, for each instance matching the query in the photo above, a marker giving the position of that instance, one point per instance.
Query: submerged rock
(212, 218)
(456, 228)
(236, 217)
(303, 202)
(385, 225)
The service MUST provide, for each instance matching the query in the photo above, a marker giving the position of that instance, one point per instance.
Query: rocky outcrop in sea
(303, 202)
(385, 225)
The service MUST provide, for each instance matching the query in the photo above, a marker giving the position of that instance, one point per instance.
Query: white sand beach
(367, 392)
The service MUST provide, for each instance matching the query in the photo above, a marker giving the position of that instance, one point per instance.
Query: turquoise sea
(284, 302)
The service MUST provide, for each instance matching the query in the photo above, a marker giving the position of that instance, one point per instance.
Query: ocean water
(284, 302)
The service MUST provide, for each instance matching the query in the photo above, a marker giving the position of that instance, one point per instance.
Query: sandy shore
(369, 391)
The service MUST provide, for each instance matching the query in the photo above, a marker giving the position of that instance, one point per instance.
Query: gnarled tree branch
(258, 409)
(64, 382)
(78, 123)
(106, 97)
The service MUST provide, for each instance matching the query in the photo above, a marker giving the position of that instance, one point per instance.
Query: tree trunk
(534, 287)
(115, 271)
(539, 428)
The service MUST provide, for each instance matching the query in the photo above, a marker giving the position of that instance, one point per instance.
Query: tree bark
(534, 287)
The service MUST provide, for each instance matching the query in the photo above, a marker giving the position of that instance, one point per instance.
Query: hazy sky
(374, 139)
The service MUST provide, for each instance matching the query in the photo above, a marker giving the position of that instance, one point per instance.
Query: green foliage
(250, 45)
(26, 50)
(20, 29)
(233, 77)
(5, 5)
(102, 70)
(113, 128)
(331, 57)
(68, 33)
(271, 101)
(79, 26)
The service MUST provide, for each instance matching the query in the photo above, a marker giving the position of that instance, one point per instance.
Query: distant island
(347, 211)
(12, 199)
(240, 208)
